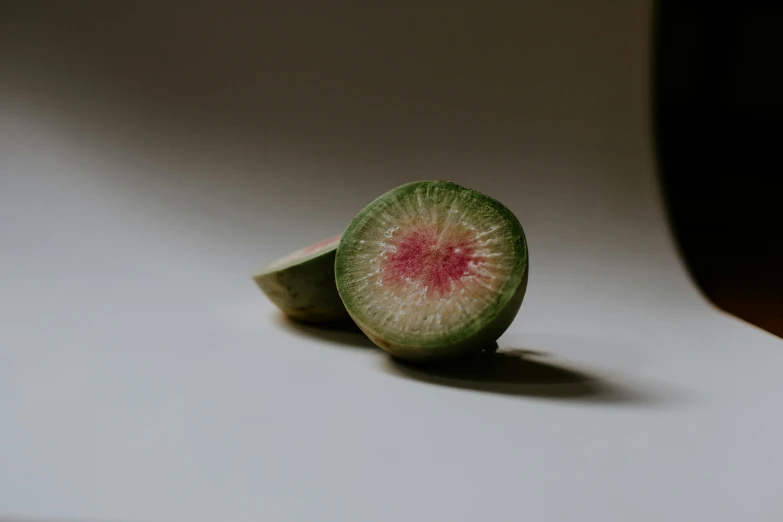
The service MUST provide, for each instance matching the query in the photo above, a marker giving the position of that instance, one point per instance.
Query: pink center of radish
(419, 257)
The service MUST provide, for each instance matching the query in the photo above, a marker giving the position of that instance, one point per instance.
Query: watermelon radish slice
(302, 283)
(433, 270)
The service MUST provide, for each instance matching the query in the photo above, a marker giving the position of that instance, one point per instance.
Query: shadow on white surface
(519, 372)
(346, 334)
(508, 371)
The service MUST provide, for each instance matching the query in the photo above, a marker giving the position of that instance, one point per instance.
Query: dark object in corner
(719, 129)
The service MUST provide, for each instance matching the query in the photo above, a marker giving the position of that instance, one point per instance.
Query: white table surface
(147, 167)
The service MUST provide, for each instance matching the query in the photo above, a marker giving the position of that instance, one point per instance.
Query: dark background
(719, 112)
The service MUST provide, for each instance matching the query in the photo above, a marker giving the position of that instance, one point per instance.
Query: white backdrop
(152, 157)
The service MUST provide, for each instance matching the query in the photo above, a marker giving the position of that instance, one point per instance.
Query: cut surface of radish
(432, 269)
(302, 283)
(303, 254)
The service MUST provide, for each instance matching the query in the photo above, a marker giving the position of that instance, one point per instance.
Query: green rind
(475, 336)
(305, 291)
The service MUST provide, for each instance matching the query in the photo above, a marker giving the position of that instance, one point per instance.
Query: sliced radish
(302, 283)
(432, 269)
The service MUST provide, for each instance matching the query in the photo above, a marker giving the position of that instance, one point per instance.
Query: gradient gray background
(152, 156)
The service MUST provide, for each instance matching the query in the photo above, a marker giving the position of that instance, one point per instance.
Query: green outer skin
(473, 338)
(305, 291)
